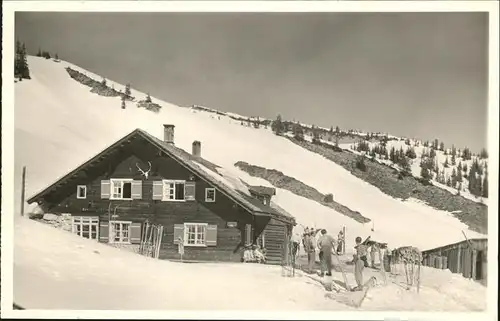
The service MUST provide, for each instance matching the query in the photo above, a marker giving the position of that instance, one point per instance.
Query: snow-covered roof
(220, 178)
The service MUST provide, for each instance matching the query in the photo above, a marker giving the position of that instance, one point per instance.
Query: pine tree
(448, 181)
(127, 90)
(454, 177)
(425, 174)
(315, 134)
(277, 125)
(298, 132)
(21, 69)
(123, 103)
(459, 176)
(103, 82)
(453, 160)
(148, 98)
(436, 144)
(446, 164)
(360, 163)
(453, 150)
(410, 152)
(441, 146)
(392, 155)
(465, 168)
(485, 186)
(436, 167)
(483, 154)
(459, 166)
(466, 154)
(433, 153)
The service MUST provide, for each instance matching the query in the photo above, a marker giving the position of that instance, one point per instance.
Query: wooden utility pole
(23, 190)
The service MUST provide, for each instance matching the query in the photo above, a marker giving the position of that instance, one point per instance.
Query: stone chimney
(196, 148)
(168, 134)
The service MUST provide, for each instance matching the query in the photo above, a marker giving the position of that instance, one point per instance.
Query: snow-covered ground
(59, 124)
(54, 269)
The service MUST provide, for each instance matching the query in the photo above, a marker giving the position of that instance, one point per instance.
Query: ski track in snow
(60, 124)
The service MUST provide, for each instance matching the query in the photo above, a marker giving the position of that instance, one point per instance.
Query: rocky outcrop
(280, 180)
(96, 86)
(154, 107)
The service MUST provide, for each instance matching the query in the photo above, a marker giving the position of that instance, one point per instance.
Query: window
(121, 189)
(195, 234)
(209, 195)
(173, 190)
(81, 191)
(85, 226)
(119, 232)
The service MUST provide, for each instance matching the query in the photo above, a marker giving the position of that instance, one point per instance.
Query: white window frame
(112, 236)
(208, 189)
(113, 181)
(186, 236)
(165, 182)
(81, 221)
(78, 192)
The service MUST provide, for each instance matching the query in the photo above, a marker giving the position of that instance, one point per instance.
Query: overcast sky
(412, 74)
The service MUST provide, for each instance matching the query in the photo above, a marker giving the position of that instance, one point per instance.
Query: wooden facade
(219, 219)
(469, 258)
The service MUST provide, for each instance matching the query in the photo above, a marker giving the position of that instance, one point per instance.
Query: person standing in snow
(341, 242)
(309, 248)
(326, 245)
(373, 250)
(295, 246)
(359, 262)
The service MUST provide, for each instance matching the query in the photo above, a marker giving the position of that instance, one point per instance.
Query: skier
(326, 245)
(341, 242)
(373, 250)
(359, 263)
(310, 250)
(295, 245)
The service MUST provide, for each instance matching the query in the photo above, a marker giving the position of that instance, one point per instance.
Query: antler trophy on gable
(144, 173)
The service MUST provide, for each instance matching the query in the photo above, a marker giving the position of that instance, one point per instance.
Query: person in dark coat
(326, 245)
(359, 262)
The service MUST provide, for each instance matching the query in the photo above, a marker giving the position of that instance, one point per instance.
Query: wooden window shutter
(157, 190)
(135, 233)
(190, 191)
(105, 189)
(248, 234)
(104, 232)
(178, 233)
(136, 190)
(211, 235)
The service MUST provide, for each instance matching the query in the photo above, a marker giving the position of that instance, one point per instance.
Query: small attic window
(81, 192)
(209, 195)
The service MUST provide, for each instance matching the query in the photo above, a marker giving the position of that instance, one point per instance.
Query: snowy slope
(83, 274)
(60, 124)
(441, 158)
